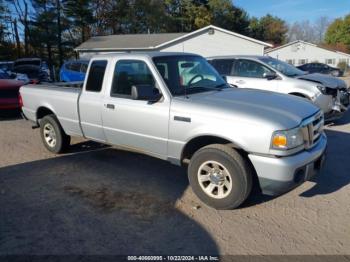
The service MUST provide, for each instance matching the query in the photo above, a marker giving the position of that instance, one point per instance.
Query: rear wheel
(220, 176)
(53, 136)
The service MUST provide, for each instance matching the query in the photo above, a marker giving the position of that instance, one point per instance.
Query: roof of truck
(238, 56)
(142, 54)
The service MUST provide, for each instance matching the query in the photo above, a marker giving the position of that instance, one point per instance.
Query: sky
(296, 10)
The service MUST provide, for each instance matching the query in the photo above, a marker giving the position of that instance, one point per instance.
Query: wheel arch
(198, 142)
(44, 111)
(299, 95)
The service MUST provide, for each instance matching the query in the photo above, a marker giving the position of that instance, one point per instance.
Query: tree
(80, 14)
(269, 28)
(7, 48)
(228, 16)
(338, 33)
(307, 31)
(320, 27)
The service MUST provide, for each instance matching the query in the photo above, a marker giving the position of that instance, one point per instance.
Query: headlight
(322, 89)
(287, 139)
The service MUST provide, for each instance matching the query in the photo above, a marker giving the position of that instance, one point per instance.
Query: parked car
(266, 73)
(6, 65)
(35, 68)
(16, 76)
(9, 93)
(73, 70)
(226, 136)
(322, 69)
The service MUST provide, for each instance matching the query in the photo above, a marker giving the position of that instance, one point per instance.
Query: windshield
(188, 74)
(282, 67)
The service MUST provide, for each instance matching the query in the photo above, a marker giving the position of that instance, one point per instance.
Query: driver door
(135, 123)
(250, 74)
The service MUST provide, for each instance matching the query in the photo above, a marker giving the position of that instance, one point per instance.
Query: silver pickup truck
(176, 107)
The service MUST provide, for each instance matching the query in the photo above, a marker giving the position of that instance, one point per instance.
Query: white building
(207, 41)
(301, 52)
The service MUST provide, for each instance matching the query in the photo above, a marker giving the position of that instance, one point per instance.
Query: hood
(327, 81)
(10, 84)
(279, 110)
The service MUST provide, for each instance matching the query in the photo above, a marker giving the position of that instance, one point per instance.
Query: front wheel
(53, 136)
(220, 176)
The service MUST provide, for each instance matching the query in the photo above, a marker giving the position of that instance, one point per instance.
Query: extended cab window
(248, 68)
(128, 73)
(96, 75)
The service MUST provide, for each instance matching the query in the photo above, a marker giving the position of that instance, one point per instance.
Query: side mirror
(146, 93)
(224, 77)
(270, 75)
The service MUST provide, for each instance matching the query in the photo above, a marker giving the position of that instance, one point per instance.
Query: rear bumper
(279, 175)
(9, 103)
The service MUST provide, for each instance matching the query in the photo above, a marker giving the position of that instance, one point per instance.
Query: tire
(235, 170)
(53, 136)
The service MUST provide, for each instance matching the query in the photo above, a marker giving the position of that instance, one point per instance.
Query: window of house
(128, 73)
(96, 75)
(329, 61)
(290, 61)
(302, 61)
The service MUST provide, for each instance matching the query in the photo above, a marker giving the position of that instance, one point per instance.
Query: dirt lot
(100, 200)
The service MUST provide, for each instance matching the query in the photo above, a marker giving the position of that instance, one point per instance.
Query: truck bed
(60, 98)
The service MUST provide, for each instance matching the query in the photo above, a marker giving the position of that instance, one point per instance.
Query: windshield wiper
(204, 88)
(221, 86)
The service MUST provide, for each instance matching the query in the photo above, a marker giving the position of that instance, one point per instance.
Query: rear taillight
(20, 100)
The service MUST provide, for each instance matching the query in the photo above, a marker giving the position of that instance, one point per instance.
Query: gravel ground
(100, 200)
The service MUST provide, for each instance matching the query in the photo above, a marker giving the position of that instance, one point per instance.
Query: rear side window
(74, 66)
(248, 68)
(223, 66)
(96, 75)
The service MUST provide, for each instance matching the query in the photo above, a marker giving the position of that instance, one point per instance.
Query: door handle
(110, 106)
(240, 81)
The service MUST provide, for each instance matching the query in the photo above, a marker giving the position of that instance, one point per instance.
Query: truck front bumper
(278, 175)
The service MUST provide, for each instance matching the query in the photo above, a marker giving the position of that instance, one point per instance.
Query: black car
(321, 68)
(35, 68)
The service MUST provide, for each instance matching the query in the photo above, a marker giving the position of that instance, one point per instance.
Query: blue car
(74, 70)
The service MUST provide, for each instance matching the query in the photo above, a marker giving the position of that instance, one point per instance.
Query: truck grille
(8, 93)
(312, 129)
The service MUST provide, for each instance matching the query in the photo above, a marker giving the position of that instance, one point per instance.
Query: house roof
(148, 41)
(307, 43)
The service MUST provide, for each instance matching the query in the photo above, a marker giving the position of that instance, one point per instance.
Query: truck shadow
(342, 121)
(336, 172)
(105, 202)
(7, 115)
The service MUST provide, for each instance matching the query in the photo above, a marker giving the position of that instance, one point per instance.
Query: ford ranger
(151, 102)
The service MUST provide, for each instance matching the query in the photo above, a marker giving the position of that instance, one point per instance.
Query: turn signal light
(280, 141)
